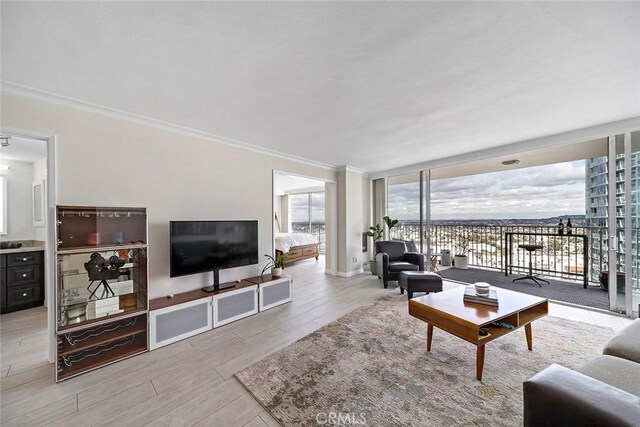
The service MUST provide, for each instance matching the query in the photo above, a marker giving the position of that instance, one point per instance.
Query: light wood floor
(190, 382)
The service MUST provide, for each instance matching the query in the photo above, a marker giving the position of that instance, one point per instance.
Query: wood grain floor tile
(202, 406)
(268, 419)
(235, 414)
(190, 381)
(100, 412)
(44, 414)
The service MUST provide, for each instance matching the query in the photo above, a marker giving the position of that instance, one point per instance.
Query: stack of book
(471, 296)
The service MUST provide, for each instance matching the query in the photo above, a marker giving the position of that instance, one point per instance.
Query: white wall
(108, 161)
(19, 203)
(367, 214)
(277, 208)
(39, 175)
(350, 222)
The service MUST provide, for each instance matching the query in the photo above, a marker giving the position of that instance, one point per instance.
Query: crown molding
(65, 101)
(347, 168)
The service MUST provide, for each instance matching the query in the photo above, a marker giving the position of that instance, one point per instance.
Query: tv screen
(201, 246)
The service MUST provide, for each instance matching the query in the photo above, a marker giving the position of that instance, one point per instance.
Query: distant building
(596, 181)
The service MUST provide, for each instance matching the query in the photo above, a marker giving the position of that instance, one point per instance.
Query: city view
(477, 212)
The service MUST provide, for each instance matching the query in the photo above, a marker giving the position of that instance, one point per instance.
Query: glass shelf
(91, 228)
(98, 285)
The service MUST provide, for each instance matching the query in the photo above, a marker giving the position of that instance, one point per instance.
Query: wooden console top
(158, 303)
(164, 302)
(264, 279)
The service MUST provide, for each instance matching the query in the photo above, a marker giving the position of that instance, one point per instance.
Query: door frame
(50, 247)
(330, 217)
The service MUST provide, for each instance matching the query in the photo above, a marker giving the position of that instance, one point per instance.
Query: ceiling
(24, 150)
(284, 184)
(375, 85)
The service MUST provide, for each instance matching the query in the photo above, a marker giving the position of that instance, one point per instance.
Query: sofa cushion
(397, 266)
(620, 373)
(626, 343)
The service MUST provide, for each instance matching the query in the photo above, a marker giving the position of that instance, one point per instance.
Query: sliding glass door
(624, 222)
(403, 204)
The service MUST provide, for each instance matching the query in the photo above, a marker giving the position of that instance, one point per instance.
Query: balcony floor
(559, 290)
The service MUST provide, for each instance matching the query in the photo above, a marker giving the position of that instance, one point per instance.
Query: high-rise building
(596, 181)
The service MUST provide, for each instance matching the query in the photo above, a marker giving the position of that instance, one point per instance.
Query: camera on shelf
(98, 268)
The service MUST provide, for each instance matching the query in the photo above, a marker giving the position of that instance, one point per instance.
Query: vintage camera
(99, 268)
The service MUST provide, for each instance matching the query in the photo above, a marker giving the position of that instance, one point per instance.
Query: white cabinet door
(275, 292)
(234, 305)
(175, 323)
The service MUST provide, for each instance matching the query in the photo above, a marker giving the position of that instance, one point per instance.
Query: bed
(296, 246)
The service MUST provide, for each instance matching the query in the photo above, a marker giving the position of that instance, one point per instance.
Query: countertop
(27, 246)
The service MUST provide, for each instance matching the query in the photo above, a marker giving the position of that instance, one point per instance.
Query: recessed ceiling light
(511, 162)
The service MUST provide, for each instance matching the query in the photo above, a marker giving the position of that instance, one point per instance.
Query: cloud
(299, 207)
(536, 192)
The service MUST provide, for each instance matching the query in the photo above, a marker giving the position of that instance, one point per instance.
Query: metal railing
(486, 247)
(316, 229)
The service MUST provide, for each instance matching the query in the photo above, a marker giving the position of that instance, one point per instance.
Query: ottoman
(419, 281)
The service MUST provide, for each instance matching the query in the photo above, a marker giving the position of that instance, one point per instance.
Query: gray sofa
(604, 392)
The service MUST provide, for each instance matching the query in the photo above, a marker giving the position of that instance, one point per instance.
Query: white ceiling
(375, 85)
(24, 150)
(283, 184)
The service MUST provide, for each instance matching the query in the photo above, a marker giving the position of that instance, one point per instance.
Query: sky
(537, 192)
(299, 205)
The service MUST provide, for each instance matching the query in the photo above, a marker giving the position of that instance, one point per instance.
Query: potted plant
(460, 259)
(376, 232)
(390, 222)
(276, 264)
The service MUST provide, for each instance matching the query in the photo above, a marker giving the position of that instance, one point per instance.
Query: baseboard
(350, 273)
(331, 272)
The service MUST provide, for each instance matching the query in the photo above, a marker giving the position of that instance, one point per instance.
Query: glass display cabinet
(102, 282)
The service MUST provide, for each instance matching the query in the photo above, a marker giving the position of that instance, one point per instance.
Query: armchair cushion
(410, 244)
(397, 266)
(415, 258)
(625, 344)
(395, 249)
(620, 373)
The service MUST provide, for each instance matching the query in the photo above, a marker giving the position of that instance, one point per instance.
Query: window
(307, 215)
(403, 204)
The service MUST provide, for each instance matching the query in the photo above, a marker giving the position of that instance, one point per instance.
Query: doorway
(27, 237)
(302, 219)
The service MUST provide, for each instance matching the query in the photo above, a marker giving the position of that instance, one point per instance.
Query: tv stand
(216, 283)
(219, 286)
(193, 312)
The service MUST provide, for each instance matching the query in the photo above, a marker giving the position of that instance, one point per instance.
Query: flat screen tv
(203, 246)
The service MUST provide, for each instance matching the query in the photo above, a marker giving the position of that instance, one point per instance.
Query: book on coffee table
(471, 296)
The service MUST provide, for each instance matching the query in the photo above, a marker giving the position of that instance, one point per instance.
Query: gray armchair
(603, 392)
(392, 258)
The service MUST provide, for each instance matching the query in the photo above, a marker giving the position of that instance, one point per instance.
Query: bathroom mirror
(38, 204)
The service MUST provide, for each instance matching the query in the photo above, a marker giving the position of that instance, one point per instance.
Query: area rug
(370, 367)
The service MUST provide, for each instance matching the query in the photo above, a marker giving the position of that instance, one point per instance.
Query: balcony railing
(562, 256)
(316, 229)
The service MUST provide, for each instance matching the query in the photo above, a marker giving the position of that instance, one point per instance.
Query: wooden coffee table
(448, 311)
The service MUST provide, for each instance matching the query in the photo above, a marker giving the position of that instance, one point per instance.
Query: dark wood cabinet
(22, 278)
(101, 290)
